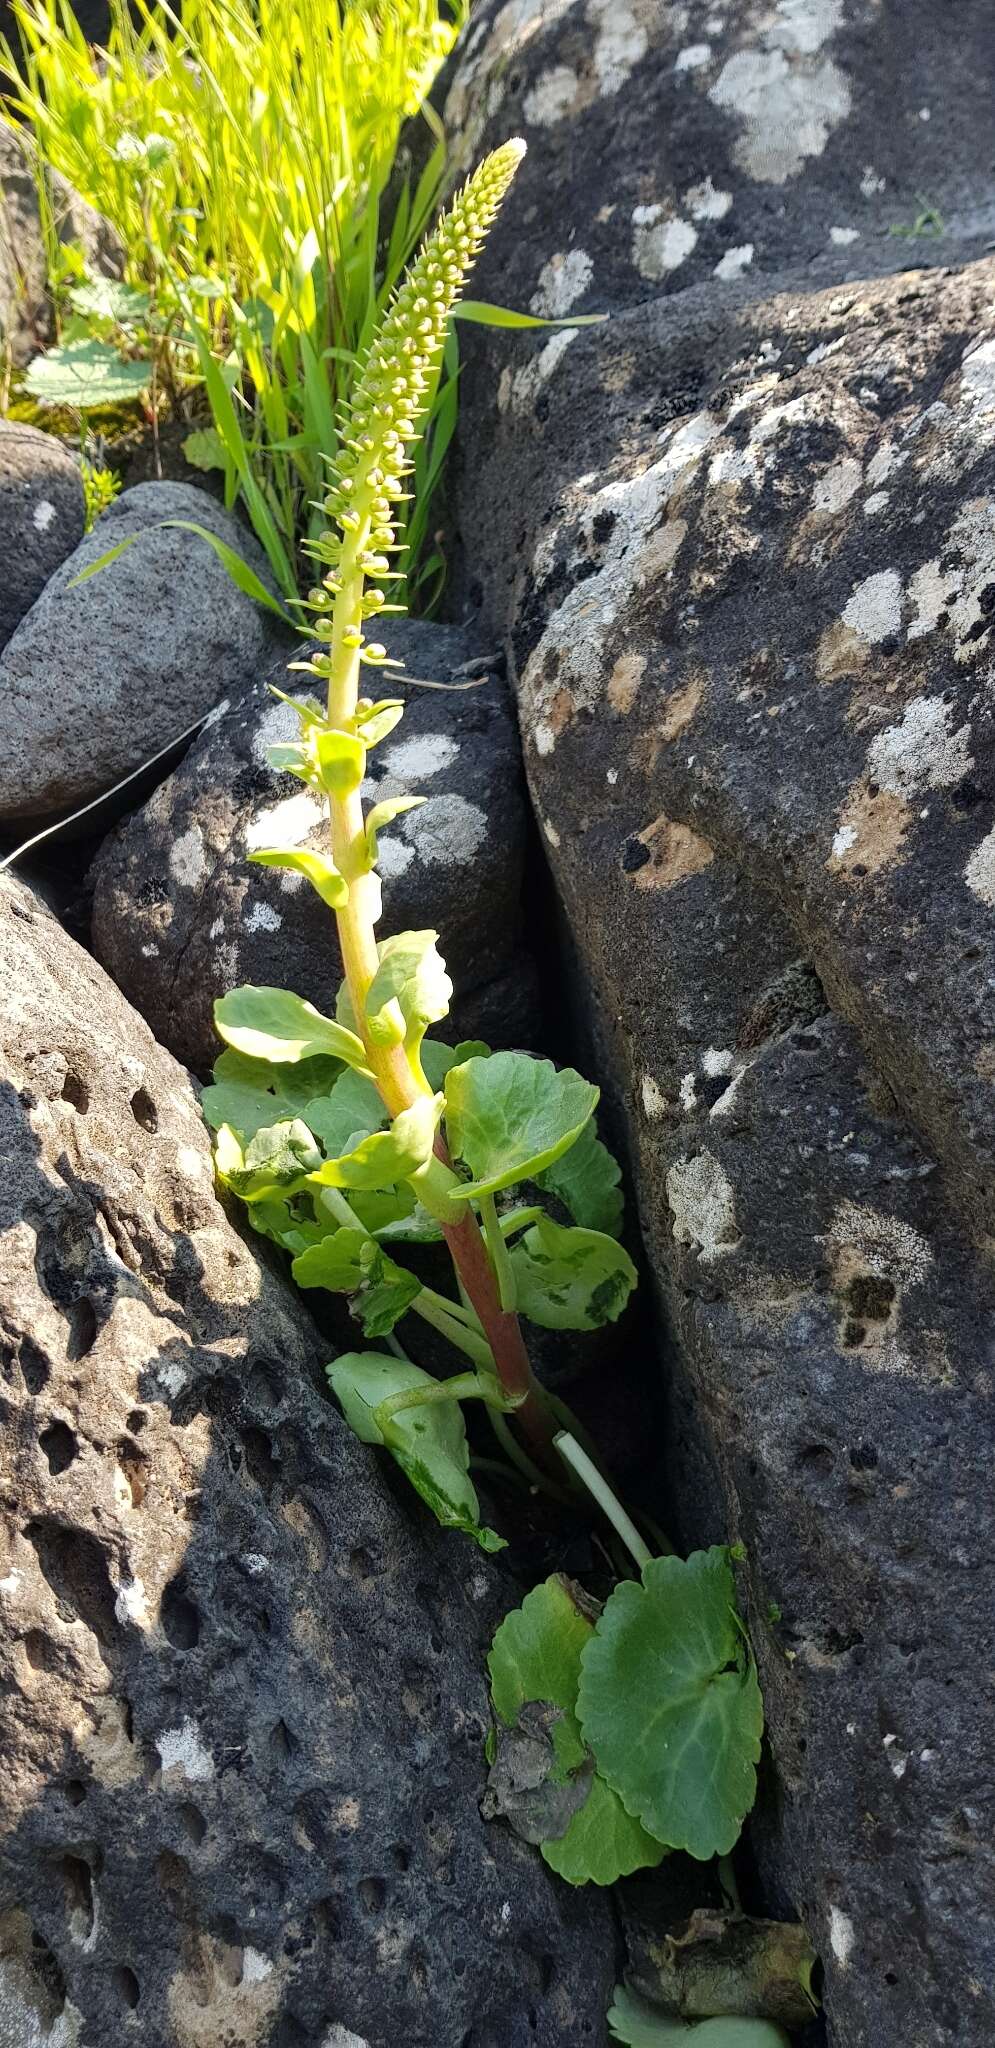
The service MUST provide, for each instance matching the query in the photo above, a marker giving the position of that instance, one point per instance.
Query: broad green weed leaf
(277, 1159)
(571, 1279)
(106, 298)
(536, 1655)
(409, 991)
(248, 1093)
(275, 1217)
(273, 1024)
(383, 1211)
(386, 1156)
(436, 1058)
(85, 374)
(670, 1704)
(586, 1180)
(509, 1116)
(204, 449)
(638, 2025)
(333, 1264)
(429, 1442)
(321, 872)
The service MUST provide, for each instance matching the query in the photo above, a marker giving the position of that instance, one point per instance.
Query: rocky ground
(730, 555)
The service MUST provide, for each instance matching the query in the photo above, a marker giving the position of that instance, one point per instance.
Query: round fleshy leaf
(273, 1024)
(569, 1279)
(669, 1702)
(509, 1116)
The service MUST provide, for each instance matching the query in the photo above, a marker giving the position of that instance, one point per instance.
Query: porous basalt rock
(100, 676)
(180, 915)
(743, 557)
(41, 516)
(241, 1694)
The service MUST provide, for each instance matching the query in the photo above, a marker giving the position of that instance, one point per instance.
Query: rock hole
(77, 1884)
(59, 1445)
(871, 1297)
(75, 1791)
(127, 1986)
(82, 1329)
(76, 1570)
(34, 1365)
(373, 1893)
(361, 1565)
(137, 1419)
(815, 1458)
(260, 1460)
(75, 1091)
(264, 1385)
(179, 1617)
(328, 1919)
(144, 1111)
(192, 1822)
(401, 1856)
(40, 1651)
(890, 1977)
(282, 1744)
(864, 1458)
(459, 1966)
(133, 1477)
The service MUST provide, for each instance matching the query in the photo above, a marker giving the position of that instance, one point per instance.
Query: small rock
(180, 915)
(26, 322)
(242, 1694)
(41, 516)
(98, 678)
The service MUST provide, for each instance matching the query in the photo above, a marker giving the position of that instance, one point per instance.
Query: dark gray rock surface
(41, 516)
(740, 545)
(241, 1693)
(26, 322)
(179, 914)
(98, 678)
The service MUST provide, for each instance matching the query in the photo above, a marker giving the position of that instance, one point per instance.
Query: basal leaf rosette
(670, 1704)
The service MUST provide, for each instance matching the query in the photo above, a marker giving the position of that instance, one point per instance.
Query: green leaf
(248, 1093)
(409, 991)
(429, 1442)
(509, 1116)
(670, 1704)
(340, 758)
(384, 814)
(586, 1180)
(276, 1217)
(273, 1024)
(571, 1279)
(106, 298)
(204, 449)
(536, 1655)
(348, 1262)
(351, 1110)
(276, 1160)
(386, 1156)
(436, 1058)
(85, 374)
(321, 872)
(481, 314)
(639, 2025)
(379, 720)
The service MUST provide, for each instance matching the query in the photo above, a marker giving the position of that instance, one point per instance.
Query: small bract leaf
(340, 758)
(428, 1442)
(670, 1704)
(387, 1156)
(409, 991)
(571, 1279)
(248, 1093)
(387, 1291)
(383, 814)
(321, 872)
(379, 720)
(273, 1024)
(277, 1160)
(536, 1655)
(204, 449)
(639, 2025)
(586, 1180)
(509, 1116)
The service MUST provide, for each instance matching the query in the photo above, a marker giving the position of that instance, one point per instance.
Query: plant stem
(434, 1309)
(504, 1271)
(598, 1487)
